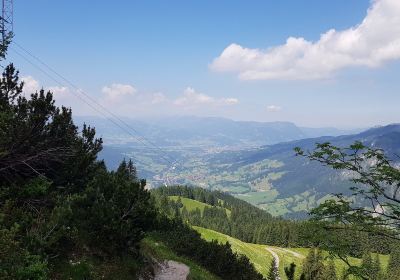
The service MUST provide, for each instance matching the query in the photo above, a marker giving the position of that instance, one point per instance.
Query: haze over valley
(253, 161)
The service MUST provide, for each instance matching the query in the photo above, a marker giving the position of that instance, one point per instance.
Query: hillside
(272, 178)
(254, 233)
(257, 253)
(251, 224)
(260, 255)
(189, 141)
(191, 204)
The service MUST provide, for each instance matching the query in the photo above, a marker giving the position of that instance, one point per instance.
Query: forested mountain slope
(261, 237)
(249, 223)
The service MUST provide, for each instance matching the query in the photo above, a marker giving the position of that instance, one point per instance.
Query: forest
(251, 224)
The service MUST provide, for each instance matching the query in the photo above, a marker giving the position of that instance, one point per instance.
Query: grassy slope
(191, 204)
(261, 258)
(257, 254)
(154, 247)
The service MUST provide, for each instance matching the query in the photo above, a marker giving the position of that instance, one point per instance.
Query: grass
(191, 204)
(257, 254)
(261, 258)
(259, 197)
(154, 247)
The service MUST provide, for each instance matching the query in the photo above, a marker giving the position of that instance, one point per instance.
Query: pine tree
(289, 271)
(273, 273)
(179, 202)
(132, 171)
(313, 267)
(345, 275)
(378, 273)
(393, 269)
(371, 266)
(330, 271)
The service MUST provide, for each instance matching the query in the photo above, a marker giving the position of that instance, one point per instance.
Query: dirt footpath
(171, 270)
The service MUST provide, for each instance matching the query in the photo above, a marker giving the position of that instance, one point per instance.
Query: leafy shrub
(16, 262)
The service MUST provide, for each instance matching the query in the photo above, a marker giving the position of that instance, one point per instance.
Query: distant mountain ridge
(237, 157)
(206, 131)
(302, 184)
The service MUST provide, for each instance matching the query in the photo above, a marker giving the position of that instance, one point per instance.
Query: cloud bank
(274, 108)
(126, 100)
(373, 42)
(192, 98)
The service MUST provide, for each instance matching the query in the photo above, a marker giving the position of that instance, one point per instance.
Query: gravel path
(297, 255)
(276, 257)
(171, 270)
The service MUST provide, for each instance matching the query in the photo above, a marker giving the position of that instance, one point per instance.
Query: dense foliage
(56, 199)
(246, 222)
(376, 181)
(217, 258)
(374, 208)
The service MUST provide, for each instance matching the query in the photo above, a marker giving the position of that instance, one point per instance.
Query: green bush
(16, 262)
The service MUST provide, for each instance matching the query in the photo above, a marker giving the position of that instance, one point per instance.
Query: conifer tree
(345, 275)
(132, 171)
(330, 271)
(371, 266)
(393, 269)
(289, 271)
(313, 267)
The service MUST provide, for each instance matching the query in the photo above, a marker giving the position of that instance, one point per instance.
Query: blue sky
(220, 58)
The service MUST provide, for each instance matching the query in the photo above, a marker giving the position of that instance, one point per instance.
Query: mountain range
(204, 131)
(253, 161)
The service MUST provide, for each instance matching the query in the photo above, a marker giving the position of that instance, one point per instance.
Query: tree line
(251, 224)
(316, 266)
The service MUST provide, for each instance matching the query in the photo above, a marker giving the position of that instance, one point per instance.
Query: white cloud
(62, 95)
(230, 101)
(274, 108)
(371, 43)
(116, 92)
(192, 98)
(126, 100)
(158, 98)
(59, 92)
(30, 85)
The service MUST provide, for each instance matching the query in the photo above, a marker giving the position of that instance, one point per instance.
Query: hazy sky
(315, 63)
